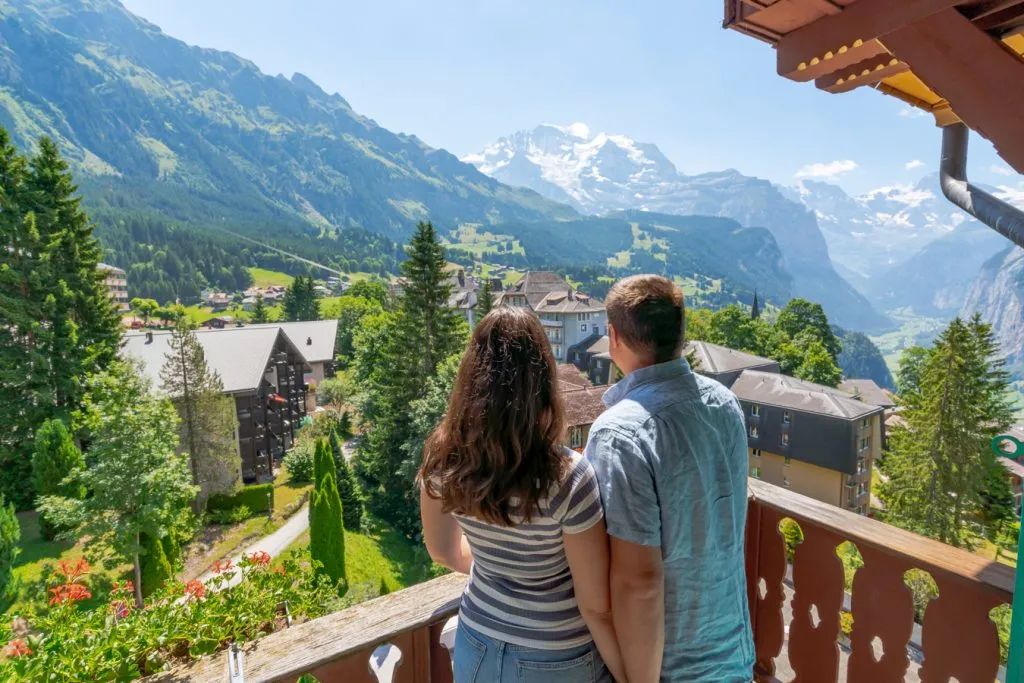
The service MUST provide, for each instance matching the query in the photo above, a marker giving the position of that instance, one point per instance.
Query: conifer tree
(55, 459)
(348, 489)
(326, 530)
(300, 300)
(484, 301)
(156, 567)
(259, 310)
(208, 417)
(10, 534)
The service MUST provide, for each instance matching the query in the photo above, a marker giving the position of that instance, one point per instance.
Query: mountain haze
(602, 173)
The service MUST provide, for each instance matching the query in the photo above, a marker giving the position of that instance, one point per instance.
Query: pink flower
(120, 609)
(259, 558)
(195, 589)
(17, 648)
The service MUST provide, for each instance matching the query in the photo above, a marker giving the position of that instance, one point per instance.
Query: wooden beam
(982, 81)
(846, 34)
(866, 72)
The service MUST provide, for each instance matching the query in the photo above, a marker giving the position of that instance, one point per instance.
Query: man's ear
(613, 337)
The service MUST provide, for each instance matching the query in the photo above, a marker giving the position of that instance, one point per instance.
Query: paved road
(274, 544)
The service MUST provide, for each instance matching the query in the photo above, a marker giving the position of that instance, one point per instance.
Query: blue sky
(461, 73)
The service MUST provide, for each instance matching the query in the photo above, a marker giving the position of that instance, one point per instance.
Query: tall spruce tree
(208, 418)
(300, 300)
(936, 462)
(326, 528)
(259, 310)
(484, 301)
(348, 489)
(55, 460)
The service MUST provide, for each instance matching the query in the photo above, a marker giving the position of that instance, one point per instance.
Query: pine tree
(300, 300)
(55, 459)
(326, 530)
(156, 567)
(259, 310)
(10, 534)
(208, 417)
(348, 489)
(936, 463)
(484, 301)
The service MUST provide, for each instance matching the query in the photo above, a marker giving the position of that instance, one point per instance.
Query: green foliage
(209, 420)
(484, 300)
(233, 515)
(59, 324)
(326, 528)
(144, 308)
(259, 310)
(253, 497)
(137, 482)
(801, 315)
(348, 488)
(10, 534)
(350, 311)
(332, 392)
(299, 462)
(156, 568)
(937, 461)
(323, 461)
(370, 290)
(793, 535)
(861, 359)
(55, 463)
(344, 427)
(911, 369)
(300, 300)
(923, 590)
(998, 508)
(846, 623)
(113, 642)
(384, 589)
(818, 365)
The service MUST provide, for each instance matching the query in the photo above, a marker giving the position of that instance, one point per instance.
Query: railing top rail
(307, 646)
(925, 553)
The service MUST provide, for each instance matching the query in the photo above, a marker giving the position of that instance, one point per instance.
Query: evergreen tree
(350, 311)
(156, 567)
(755, 309)
(208, 417)
(300, 300)
(10, 534)
(908, 375)
(484, 301)
(259, 310)
(348, 489)
(937, 462)
(345, 430)
(323, 461)
(326, 529)
(800, 316)
(56, 458)
(137, 482)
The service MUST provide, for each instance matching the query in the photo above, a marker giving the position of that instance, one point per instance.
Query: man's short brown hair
(649, 314)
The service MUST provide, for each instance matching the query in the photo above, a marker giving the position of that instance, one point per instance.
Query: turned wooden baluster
(958, 637)
(766, 559)
(817, 582)
(882, 606)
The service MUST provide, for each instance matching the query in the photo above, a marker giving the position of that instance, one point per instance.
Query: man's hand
(638, 608)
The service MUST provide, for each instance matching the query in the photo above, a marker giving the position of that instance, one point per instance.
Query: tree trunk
(138, 577)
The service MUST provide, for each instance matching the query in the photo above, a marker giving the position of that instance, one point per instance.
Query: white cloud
(830, 169)
(911, 112)
(1002, 170)
(1014, 195)
(911, 165)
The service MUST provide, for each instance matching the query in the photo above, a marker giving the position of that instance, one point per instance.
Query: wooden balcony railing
(957, 638)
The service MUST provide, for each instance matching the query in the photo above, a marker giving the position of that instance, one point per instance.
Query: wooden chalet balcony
(795, 611)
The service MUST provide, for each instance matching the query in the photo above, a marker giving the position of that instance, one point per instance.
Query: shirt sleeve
(584, 507)
(626, 480)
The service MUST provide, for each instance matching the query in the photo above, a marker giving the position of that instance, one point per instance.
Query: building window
(755, 410)
(754, 433)
(861, 465)
(787, 417)
(785, 461)
(583, 327)
(785, 438)
(576, 437)
(755, 472)
(864, 443)
(756, 452)
(864, 423)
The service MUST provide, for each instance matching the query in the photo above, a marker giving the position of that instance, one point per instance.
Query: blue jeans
(481, 659)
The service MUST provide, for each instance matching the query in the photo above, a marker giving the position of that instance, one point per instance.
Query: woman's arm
(443, 536)
(589, 562)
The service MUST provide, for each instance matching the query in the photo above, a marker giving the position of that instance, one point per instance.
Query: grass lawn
(269, 278)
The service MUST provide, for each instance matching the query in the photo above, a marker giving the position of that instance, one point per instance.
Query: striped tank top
(520, 590)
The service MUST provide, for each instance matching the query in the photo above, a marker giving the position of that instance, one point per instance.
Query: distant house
(218, 301)
(724, 364)
(262, 370)
(583, 405)
(569, 317)
(116, 282)
(316, 340)
(218, 323)
(592, 357)
(810, 438)
(570, 377)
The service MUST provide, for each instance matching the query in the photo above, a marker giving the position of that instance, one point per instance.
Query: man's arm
(638, 608)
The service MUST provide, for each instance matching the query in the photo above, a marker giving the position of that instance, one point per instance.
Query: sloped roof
(771, 388)
(715, 359)
(568, 302)
(867, 391)
(536, 284)
(571, 377)
(1013, 467)
(315, 339)
(583, 405)
(238, 354)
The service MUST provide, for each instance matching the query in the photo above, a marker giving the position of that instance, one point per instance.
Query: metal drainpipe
(1005, 219)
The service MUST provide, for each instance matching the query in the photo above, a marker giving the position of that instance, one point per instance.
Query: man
(671, 460)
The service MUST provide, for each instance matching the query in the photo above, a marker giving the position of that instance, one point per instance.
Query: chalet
(316, 340)
(583, 405)
(218, 323)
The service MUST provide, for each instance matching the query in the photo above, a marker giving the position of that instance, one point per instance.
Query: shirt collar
(647, 375)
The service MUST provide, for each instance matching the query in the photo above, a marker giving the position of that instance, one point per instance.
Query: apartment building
(810, 438)
(116, 282)
(569, 317)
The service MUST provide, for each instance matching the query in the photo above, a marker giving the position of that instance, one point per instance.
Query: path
(273, 544)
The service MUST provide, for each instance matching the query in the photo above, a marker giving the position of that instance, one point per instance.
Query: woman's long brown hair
(498, 449)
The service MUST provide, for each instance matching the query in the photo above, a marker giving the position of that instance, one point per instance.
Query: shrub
(299, 462)
(253, 497)
(351, 498)
(793, 535)
(55, 457)
(326, 531)
(156, 569)
(235, 515)
(10, 534)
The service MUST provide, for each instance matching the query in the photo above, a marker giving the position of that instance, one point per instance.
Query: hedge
(253, 497)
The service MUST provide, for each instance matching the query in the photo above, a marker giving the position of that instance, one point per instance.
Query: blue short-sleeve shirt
(670, 455)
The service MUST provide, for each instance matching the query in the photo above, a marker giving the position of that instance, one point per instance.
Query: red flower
(72, 571)
(129, 587)
(120, 609)
(259, 558)
(17, 648)
(220, 567)
(280, 570)
(69, 593)
(195, 589)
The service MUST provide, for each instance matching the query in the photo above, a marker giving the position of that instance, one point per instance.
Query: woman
(503, 500)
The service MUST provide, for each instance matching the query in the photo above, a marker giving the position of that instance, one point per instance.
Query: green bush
(156, 569)
(299, 462)
(10, 534)
(54, 458)
(793, 535)
(326, 530)
(232, 516)
(253, 497)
